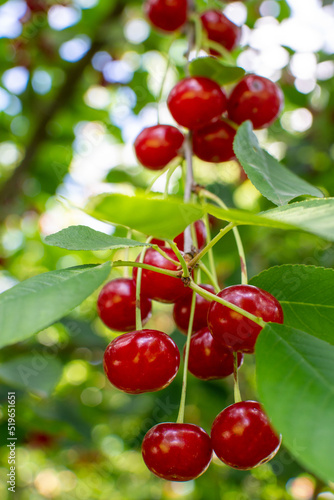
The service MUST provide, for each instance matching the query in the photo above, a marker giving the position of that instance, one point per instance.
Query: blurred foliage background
(79, 80)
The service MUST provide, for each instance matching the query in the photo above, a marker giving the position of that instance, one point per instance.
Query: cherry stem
(210, 252)
(188, 187)
(139, 323)
(241, 251)
(195, 18)
(224, 53)
(237, 395)
(214, 240)
(170, 172)
(211, 296)
(165, 255)
(180, 257)
(209, 275)
(126, 254)
(121, 263)
(159, 96)
(180, 417)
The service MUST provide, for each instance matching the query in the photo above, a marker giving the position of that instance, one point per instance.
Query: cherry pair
(241, 437)
(170, 15)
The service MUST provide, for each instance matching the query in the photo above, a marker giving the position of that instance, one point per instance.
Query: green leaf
(272, 179)
(162, 218)
(85, 238)
(35, 372)
(42, 300)
(295, 377)
(219, 71)
(312, 216)
(306, 294)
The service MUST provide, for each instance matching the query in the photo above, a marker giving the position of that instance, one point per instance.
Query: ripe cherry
(257, 99)
(200, 231)
(177, 452)
(116, 305)
(167, 15)
(214, 143)
(195, 101)
(156, 146)
(181, 311)
(158, 286)
(208, 359)
(242, 436)
(141, 361)
(234, 330)
(220, 29)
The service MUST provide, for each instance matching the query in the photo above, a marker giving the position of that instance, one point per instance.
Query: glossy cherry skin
(181, 311)
(214, 143)
(159, 286)
(208, 359)
(257, 99)
(220, 29)
(156, 146)
(177, 452)
(195, 101)
(234, 330)
(116, 305)
(242, 436)
(200, 231)
(166, 15)
(141, 361)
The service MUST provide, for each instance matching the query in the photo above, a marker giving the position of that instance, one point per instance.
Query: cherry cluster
(148, 360)
(220, 327)
(199, 104)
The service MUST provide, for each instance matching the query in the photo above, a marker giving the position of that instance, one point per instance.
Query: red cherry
(195, 101)
(208, 359)
(158, 286)
(181, 311)
(156, 146)
(167, 15)
(177, 452)
(234, 330)
(141, 361)
(200, 236)
(214, 143)
(257, 99)
(242, 436)
(220, 29)
(116, 305)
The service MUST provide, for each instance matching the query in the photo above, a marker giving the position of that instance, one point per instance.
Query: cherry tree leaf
(306, 294)
(295, 378)
(86, 238)
(273, 180)
(37, 302)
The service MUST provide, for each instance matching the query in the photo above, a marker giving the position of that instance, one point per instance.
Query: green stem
(210, 296)
(209, 275)
(195, 18)
(139, 323)
(241, 251)
(237, 395)
(180, 417)
(121, 263)
(165, 255)
(180, 257)
(170, 172)
(224, 53)
(153, 181)
(162, 86)
(126, 254)
(221, 233)
(210, 252)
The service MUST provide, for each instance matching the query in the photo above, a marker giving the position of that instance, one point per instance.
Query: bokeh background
(78, 81)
